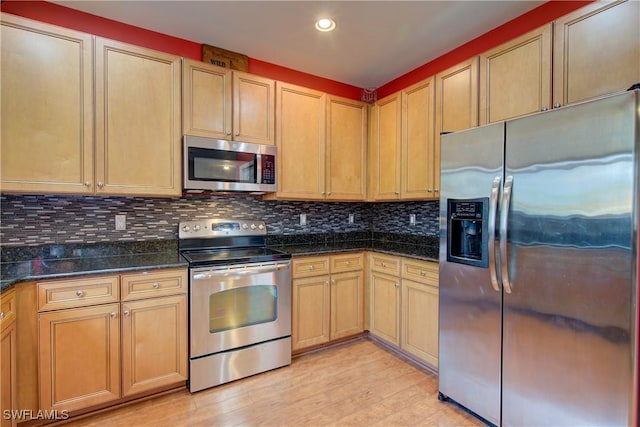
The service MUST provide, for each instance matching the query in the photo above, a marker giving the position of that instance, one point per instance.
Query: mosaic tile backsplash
(38, 220)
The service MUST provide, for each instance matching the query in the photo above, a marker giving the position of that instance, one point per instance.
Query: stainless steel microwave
(220, 165)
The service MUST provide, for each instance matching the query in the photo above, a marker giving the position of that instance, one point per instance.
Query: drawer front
(59, 294)
(149, 284)
(420, 271)
(385, 264)
(7, 308)
(347, 262)
(310, 266)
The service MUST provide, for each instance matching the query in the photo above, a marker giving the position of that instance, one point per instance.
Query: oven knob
(253, 226)
(185, 228)
(196, 228)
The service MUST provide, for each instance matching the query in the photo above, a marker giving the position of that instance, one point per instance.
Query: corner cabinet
(328, 300)
(596, 51)
(384, 148)
(47, 108)
(105, 338)
(224, 104)
(138, 117)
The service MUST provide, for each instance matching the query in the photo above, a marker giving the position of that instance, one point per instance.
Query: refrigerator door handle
(493, 208)
(504, 218)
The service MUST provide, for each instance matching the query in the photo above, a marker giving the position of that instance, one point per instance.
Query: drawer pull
(156, 285)
(79, 292)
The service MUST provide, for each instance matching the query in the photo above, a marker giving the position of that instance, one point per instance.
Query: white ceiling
(374, 41)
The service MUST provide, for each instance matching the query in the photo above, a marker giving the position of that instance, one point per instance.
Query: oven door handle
(240, 271)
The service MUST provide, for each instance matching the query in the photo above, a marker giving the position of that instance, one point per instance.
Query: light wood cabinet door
(515, 77)
(311, 312)
(385, 148)
(418, 161)
(46, 108)
(206, 102)
(347, 304)
(346, 147)
(300, 138)
(420, 321)
(79, 362)
(596, 51)
(384, 319)
(154, 343)
(253, 108)
(8, 354)
(138, 116)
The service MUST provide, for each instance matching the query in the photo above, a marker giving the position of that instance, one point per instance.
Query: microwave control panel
(268, 169)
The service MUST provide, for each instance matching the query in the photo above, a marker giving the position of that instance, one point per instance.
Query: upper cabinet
(138, 138)
(515, 77)
(596, 51)
(402, 145)
(300, 138)
(417, 179)
(346, 148)
(224, 104)
(384, 148)
(49, 144)
(456, 105)
(321, 144)
(47, 108)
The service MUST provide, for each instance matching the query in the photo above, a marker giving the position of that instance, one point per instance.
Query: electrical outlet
(351, 219)
(121, 222)
(303, 219)
(412, 219)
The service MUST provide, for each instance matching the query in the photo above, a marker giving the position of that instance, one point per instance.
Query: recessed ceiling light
(325, 24)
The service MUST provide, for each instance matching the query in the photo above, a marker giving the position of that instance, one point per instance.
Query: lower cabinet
(8, 381)
(328, 298)
(404, 304)
(99, 342)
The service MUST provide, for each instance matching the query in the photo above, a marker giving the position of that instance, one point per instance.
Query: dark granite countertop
(419, 247)
(56, 261)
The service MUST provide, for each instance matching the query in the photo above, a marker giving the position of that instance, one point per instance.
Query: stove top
(202, 257)
(226, 241)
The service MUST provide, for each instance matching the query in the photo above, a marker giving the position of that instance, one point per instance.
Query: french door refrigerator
(539, 266)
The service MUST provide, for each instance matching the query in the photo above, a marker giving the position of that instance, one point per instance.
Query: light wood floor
(359, 383)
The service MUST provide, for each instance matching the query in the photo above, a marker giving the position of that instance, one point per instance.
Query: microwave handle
(259, 168)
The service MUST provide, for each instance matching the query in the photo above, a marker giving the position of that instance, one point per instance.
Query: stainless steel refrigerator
(539, 266)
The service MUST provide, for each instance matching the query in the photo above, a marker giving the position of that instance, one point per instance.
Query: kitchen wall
(36, 220)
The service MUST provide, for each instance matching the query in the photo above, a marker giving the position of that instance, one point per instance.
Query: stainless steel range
(239, 301)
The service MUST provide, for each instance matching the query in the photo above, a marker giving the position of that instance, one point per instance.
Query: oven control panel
(216, 227)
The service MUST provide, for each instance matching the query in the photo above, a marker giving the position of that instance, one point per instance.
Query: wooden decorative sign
(224, 58)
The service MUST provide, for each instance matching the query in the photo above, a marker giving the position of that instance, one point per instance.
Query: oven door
(237, 306)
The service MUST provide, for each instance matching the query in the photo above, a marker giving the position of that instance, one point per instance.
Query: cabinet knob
(333, 281)
(87, 183)
(397, 193)
(348, 262)
(126, 312)
(329, 193)
(2, 314)
(326, 282)
(100, 184)
(544, 109)
(384, 266)
(557, 105)
(113, 314)
(435, 190)
(429, 190)
(311, 267)
(237, 133)
(156, 286)
(422, 273)
(79, 292)
(397, 285)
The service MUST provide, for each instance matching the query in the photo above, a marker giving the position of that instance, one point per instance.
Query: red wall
(81, 21)
(518, 26)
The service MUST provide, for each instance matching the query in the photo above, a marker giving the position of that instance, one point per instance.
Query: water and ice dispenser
(467, 222)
